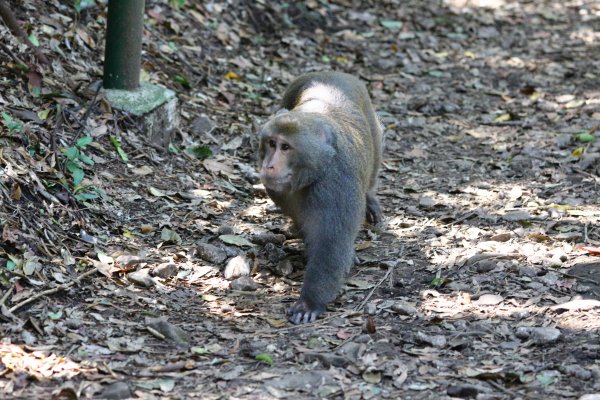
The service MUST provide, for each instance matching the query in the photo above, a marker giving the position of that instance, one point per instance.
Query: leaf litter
(483, 282)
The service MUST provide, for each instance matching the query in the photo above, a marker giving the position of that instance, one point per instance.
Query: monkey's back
(345, 100)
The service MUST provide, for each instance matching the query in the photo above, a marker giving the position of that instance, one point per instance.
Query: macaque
(319, 158)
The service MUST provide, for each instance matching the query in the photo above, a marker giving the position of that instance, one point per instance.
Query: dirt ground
(483, 281)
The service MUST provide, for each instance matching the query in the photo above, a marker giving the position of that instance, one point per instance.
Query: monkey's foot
(301, 313)
(374, 214)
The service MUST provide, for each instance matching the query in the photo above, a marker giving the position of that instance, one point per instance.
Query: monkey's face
(276, 155)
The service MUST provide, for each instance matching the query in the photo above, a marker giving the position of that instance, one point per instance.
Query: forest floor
(483, 281)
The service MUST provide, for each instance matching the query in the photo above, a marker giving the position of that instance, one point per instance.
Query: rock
(211, 253)
(463, 391)
(268, 237)
(576, 371)
(432, 340)
(501, 237)
(116, 391)
(489, 300)
(141, 277)
(538, 335)
(244, 284)
(577, 304)
(274, 253)
(236, 267)
(168, 330)
(202, 125)
(426, 202)
(514, 216)
(226, 230)
(371, 308)
(588, 160)
(484, 266)
(591, 396)
(284, 268)
(403, 308)
(165, 270)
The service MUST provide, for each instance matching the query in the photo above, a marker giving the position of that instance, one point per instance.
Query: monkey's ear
(327, 134)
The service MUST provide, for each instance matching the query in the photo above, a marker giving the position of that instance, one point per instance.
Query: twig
(53, 290)
(387, 274)
(579, 277)
(508, 391)
(10, 21)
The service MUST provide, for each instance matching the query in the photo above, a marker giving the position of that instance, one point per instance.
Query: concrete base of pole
(154, 106)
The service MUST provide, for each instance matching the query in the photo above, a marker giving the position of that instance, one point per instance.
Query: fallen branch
(11, 22)
(368, 297)
(53, 290)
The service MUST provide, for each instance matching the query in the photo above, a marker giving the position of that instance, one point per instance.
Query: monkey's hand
(302, 313)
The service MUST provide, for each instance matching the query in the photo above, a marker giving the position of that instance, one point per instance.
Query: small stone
(403, 308)
(591, 396)
(274, 253)
(165, 270)
(211, 253)
(501, 237)
(141, 277)
(484, 266)
(244, 284)
(563, 141)
(116, 391)
(371, 308)
(463, 391)
(432, 340)
(168, 330)
(284, 267)
(226, 230)
(576, 371)
(589, 160)
(202, 125)
(426, 202)
(489, 300)
(516, 216)
(236, 267)
(569, 236)
(263, 238)
(538, 335)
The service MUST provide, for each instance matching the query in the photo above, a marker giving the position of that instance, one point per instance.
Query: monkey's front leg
(329, 258)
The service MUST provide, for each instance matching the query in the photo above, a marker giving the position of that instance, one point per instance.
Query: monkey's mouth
(279, 184)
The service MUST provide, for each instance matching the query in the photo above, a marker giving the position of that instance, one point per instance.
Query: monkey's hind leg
(374, 214)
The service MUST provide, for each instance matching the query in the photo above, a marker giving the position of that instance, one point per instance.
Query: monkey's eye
(285, 147)
(272, 144)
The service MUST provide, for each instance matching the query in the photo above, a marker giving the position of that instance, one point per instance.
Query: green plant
(10, 123)
(76, 160)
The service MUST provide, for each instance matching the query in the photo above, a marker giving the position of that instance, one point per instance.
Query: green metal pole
(123, 53)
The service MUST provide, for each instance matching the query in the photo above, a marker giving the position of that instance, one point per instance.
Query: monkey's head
(294, 151)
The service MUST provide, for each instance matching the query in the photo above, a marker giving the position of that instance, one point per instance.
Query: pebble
(538, 335)
(268, 237)
(284, 268)
(403, 308)
(591, 396)
(371, 308)
(432, 340)
(463, 391)
(165, 270)
(236, 267)
(244, 284)
(211, 253)
(516, 216)
(141, 277)
(489, 300)
(116, 391)
(274, 253)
